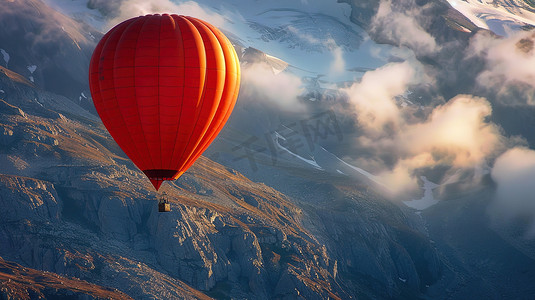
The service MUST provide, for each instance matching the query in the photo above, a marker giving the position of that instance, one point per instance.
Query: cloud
(455, 134)
(133, 8)
(402, 28)
(373, 97)
(43, 27)
(510, 64)
(400, 179)
(279, 89)
(308, 38)
(513, 173)
(338, 64)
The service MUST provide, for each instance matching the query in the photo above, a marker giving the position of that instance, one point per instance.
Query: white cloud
(514, 172)
(373, 97)
(455, 134)
(281, 89)
(305, 36)
(338, 65)
(510, 62)
(133, 8)
(402, 27)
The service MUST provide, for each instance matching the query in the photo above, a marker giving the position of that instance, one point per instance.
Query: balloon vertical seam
(180, 29)
(112, 77)
(194, 130)
(135, 91)
(134, 100)
(158, 68)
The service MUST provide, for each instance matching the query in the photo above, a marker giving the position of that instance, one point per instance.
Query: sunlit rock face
(28, 199)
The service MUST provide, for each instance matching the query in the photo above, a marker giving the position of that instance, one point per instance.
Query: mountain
(283, 204)
(48, 48)
(497, 16)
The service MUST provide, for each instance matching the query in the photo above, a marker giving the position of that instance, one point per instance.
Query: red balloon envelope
(164, 87)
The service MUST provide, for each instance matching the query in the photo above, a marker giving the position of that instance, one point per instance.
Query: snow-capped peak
(499, 16)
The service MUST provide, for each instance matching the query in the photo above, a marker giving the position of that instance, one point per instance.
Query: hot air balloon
(164, 87)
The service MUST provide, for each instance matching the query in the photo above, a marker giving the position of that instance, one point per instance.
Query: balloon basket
(163, 203)
(164, 207)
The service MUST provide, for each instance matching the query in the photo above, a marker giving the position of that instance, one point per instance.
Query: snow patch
(82, 95)
(365, 173)
(311, 162)
(32, 68)
(5, 55)
(277, 65)
(427, 200)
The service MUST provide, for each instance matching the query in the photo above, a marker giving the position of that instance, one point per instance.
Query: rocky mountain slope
(18, 282)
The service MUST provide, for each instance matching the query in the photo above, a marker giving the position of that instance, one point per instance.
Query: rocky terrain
(18, 282)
